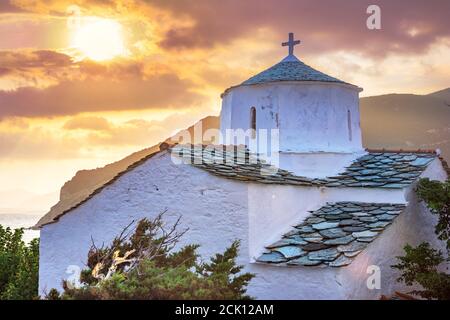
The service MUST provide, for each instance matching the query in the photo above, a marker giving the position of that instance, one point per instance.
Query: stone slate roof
(377, 169)
(290, 69)
(333, 235)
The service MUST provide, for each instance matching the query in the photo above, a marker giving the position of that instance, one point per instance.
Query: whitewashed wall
(218, 211)
(311, 116)
(214, 209)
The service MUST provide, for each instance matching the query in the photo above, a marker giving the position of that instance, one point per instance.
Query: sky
(85, 83)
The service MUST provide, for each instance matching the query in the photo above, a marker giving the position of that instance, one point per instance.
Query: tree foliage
(422, 265)
(19, 266)
(144, 265)
(437, 196)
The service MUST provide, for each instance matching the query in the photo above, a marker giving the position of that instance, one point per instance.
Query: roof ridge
(402, 150)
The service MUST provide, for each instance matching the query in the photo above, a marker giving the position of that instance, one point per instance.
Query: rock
(348, 222)
(325, 225)
(291, 251)
(367, 172)
(304, 261)
(368, 219)
(338, 216)
(333, 233)
(343, 240)
(351, 209)
(291, 233)
(351, 247)
(386, 217)
(364, 234)
(340, 262)
(315, 220)
(366, 239)
(352, 254)
(279, 243)
(333, 212)
(272, 257)
(295, 240)
(304, 229)
(360, 214)
(324, 255)
(354, 228)
(379, 224)
(314, 240)
(314, 246)
(394, 213)
(377, 211)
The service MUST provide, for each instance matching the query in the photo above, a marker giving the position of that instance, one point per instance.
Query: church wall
(310, 116)
(314, 117)
(275, 209)
(219, 210)
(214, 209)
(413, 226)
(317, 164)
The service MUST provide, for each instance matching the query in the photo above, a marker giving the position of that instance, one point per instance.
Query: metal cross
(291, 43)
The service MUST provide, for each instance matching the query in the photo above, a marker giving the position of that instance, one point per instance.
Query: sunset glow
(83, 86)
(99, 39)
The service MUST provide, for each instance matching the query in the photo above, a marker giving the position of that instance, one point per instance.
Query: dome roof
(290, 69)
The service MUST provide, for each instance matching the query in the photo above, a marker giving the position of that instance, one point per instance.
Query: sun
(99, 39)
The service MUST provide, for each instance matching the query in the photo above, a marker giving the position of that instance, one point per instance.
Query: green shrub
(420, 265)
(19, 266)
(145, 266)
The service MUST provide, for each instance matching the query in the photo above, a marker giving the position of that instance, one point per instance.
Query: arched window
(253, 121)
(349, 124)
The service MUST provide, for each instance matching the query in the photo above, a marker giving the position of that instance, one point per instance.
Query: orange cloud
(87, 123)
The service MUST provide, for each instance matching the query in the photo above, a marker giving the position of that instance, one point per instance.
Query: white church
(326, 222)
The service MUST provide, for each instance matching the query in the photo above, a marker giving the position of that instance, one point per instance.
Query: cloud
(7, 7)
(89, 95)
(51, 83)
(326, 25)
(87, 123)
(85, 136)
(323, 25)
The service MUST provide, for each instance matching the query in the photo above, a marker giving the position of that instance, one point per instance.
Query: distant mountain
(407, 121)
(442, 94)
(87, 181)
(392, 121)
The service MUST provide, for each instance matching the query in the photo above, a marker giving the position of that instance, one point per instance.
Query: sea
(22, 220)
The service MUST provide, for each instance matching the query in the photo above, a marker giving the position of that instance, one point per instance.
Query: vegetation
(19, 265)
(420, 265)
(142, 264)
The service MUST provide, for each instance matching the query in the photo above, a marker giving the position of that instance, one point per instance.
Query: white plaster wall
(214, 209)
(413, 226)
(311, 116)
(219, 210)
(317, 164)
(275, 209)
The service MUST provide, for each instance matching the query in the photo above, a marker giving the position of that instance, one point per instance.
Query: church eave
(302, 82)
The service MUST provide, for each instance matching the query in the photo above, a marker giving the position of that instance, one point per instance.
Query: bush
(420, 264)
(19, 266)
(145, 266)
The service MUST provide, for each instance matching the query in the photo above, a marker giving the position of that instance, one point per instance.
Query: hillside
(407, 121)
(86, 181)
(396, 121)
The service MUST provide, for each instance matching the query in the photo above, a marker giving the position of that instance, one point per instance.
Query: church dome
(290, 69)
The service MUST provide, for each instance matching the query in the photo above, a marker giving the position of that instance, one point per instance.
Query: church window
(253, 121)
(349, 125)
